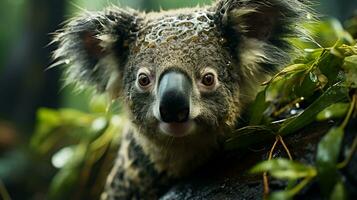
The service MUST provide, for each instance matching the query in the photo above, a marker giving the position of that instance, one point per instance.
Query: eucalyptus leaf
(246, 136)
(350, 66)
(284, 169)
(99, 104)
(328, 151)
(308, 85)
(336, 110)
(257, 109)
(67, 178)
(98, 126)
(48, 119)
(339, 192)
(333, 95)
(330, 64)
(292, 69)
(280, 195)
(281, 90)
(331, 31)
(62, 157)
(76, 118)
(63, 184)
(321, 34)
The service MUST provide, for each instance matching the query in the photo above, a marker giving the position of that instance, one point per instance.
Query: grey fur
(243, 41)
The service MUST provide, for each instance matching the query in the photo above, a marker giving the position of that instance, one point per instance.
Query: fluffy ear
(94, 47)
(257, 29)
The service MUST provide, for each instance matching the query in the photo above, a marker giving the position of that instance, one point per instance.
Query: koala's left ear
(94, 47)
(257, 29)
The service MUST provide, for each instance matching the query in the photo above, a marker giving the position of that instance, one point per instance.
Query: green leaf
(281, 90)
(292, 69)
(67, 178)
(63, 184)
(62, 157)
(328, 32)
(290, 192)
(284, 169)
(258, 108)
(336, 110)
(97, 128)
(280, 195)
(328, 150)
(76, 118)
(246, 136)
(47, 120)
(330, 64)
(350, 66)
(99, 104)
(333, 95)
(53, 125)
(339, 192)
(308, 85)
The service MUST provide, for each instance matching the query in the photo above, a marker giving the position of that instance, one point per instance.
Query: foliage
(81, 145)
(319, 85)
(325, 79)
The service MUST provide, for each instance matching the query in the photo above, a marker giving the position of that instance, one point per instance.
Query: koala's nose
(174, 93)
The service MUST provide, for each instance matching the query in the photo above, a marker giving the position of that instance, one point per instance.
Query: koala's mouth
(176, 129)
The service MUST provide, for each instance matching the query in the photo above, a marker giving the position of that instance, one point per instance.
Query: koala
(184, 77)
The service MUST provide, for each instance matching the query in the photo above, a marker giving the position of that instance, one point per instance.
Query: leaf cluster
(320, 85)
(80, 145)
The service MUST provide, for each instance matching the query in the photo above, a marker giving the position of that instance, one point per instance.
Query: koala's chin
(177, 129)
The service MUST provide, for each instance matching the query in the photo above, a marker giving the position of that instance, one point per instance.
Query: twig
(265, 174)
(285, 147)
(4, 194)
(343, 125)
(349, 156)
(350, 111)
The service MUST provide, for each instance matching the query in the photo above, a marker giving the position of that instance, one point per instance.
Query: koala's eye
(144, 80)
(208, 79)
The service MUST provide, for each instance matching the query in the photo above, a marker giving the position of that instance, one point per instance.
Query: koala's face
(179, 78)
(183, 72)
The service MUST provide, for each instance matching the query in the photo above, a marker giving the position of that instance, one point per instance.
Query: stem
(285, 147)
(266, 185)
(265, 175)
(349, 156)
(350, 111)
(314, 64)
(300, 186)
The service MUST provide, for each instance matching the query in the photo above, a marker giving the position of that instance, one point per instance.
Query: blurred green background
(26, 85)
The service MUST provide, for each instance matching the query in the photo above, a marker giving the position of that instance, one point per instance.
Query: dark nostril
(169, 115)
(164, 113)
(182, 115)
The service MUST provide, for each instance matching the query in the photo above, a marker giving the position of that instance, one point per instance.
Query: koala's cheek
(234, 109)
(155, 109)
(196, 108)
(218, 109)
(139, 107)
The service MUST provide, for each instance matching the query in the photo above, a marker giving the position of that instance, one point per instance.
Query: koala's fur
(241, 40)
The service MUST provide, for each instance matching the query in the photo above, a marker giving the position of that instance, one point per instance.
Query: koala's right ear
(257, 31)
(94, 47)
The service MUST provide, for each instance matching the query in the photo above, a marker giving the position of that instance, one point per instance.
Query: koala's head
(181, 72)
